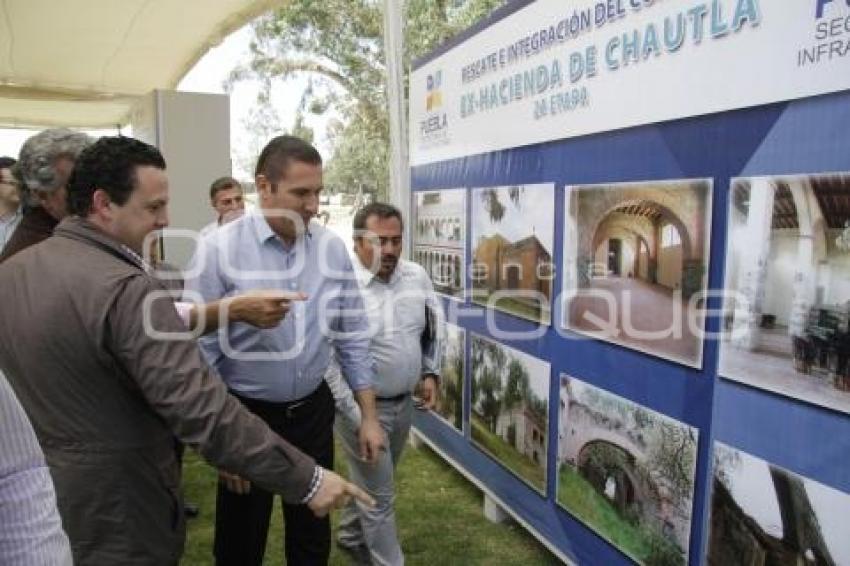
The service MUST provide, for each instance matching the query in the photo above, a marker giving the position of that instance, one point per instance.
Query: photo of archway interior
(644, 245)
(787, 330)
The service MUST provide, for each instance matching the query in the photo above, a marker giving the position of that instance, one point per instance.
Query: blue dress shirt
(287, 362)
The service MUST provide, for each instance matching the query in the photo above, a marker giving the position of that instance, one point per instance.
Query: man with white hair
(45, 165)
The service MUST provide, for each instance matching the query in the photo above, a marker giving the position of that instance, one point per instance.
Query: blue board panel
(807, 136)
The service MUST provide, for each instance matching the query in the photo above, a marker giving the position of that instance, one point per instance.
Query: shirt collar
(265, 233)
(365, 276)
(10, 216)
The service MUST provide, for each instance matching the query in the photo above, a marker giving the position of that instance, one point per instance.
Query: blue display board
(804, 137)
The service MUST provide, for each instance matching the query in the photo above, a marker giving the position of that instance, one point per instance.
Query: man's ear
(263, 185)
(100, 202)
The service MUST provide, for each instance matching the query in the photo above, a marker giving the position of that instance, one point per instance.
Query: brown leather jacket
(105, 399)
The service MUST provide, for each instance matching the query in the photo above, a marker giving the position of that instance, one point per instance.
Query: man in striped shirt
(30, 527)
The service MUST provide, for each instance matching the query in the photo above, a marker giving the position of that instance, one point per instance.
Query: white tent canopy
(83, 63)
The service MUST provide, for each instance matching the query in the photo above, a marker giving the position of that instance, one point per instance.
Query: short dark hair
(6, 162)
(379, 209)
(221, 184)
(280, 152)
(109, 164)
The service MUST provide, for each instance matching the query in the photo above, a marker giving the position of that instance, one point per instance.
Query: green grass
(588, 505)
(510, 305)
(439, 516)
(507, 455)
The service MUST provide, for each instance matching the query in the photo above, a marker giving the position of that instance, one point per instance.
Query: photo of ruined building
(636, 265)
(627, 472)
(510, 408)
(764, 514)
(439, 238)
(512, 234)
(787, 302)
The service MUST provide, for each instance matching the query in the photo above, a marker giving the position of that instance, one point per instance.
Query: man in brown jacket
(104, 397)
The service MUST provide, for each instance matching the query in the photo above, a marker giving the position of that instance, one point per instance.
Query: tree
(517, 388)
(340, 43)
(490, 403)
(493, 202)
(488, 359)
(672, 457)
(452, 381)
(801, 531)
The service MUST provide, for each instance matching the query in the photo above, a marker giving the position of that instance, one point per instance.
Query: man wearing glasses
(10, 201)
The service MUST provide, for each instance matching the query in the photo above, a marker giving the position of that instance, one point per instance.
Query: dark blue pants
(242, 521)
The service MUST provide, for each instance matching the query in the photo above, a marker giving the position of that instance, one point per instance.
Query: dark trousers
(242, 521)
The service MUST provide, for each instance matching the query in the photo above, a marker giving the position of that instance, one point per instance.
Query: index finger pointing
(280, 295)
(359, 494)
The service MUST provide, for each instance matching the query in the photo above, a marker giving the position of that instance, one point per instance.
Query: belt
(399, 397)
(290, 408)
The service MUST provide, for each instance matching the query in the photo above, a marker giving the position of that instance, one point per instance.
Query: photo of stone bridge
(627, 472)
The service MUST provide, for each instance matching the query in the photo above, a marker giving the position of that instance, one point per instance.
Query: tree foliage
(501, 383)
(452, 379)
(492, 201)
(340, 44)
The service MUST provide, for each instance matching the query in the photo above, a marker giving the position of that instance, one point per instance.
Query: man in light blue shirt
(278, 373)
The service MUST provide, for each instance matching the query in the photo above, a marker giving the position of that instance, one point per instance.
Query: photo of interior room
(787, 299)
(636, 265)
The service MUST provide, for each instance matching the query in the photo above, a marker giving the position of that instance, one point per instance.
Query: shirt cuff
(358, 379)
(426, 374)
(183, 311)
(315, 484)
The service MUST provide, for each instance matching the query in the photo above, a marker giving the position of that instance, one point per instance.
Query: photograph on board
(512, 251)
(787, 300)
(439, 238)
(764, 514)
(452, 372)
(510, 408)
(627, 472)
(636, 265)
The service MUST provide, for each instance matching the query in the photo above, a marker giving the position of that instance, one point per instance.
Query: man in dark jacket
(105, 397)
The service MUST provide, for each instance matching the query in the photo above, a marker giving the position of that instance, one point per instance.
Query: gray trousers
(376, 527)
